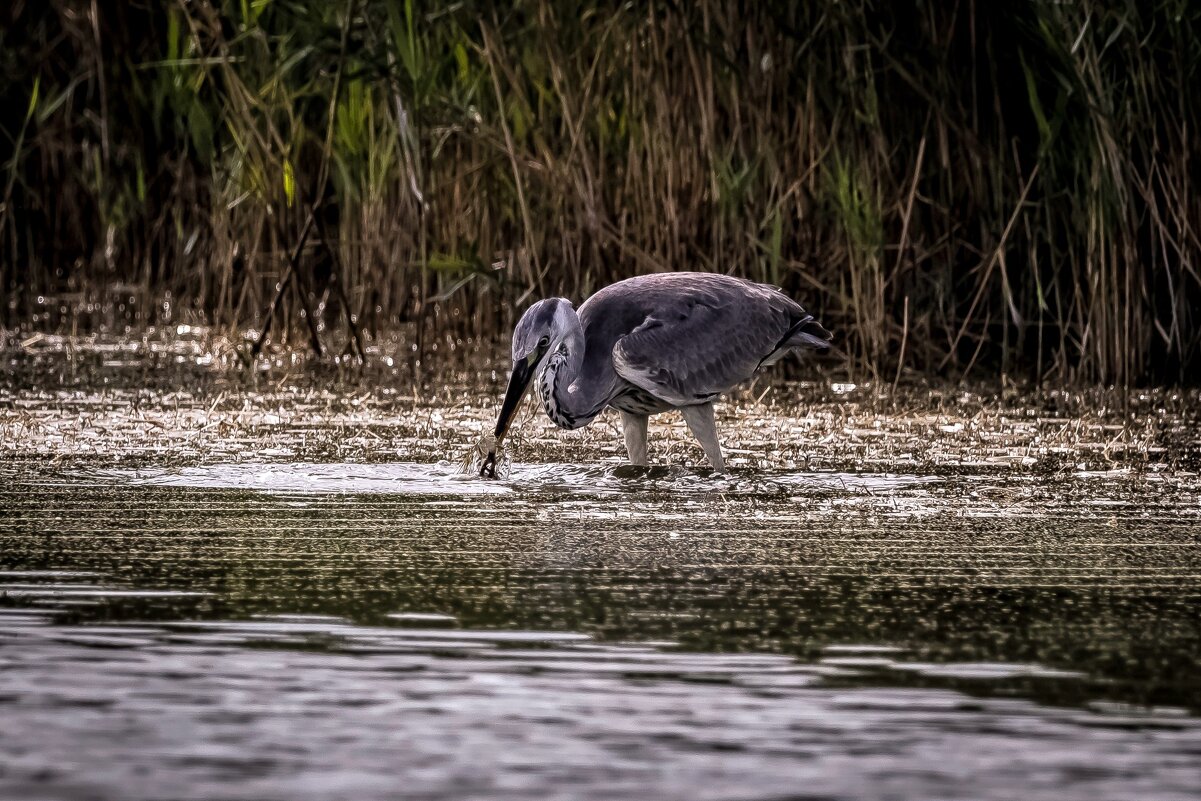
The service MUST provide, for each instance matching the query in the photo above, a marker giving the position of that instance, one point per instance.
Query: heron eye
(542, 343)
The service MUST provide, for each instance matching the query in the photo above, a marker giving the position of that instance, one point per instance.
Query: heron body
(651, 344)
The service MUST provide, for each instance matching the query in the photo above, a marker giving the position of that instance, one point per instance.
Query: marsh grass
(954, 187)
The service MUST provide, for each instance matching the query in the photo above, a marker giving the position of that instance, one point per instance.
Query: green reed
(953, 187)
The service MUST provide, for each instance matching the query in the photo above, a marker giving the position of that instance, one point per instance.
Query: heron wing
(704, 338)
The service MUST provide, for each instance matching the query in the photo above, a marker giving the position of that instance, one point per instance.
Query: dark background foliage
(955, 186)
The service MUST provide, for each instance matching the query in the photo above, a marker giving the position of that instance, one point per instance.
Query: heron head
(539, 332)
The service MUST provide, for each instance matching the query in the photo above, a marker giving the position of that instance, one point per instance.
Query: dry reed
(954, 187)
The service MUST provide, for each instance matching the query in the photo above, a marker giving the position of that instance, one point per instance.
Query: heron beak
(519, 382)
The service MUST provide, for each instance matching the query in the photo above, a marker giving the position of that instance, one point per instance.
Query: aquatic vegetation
(188, 400)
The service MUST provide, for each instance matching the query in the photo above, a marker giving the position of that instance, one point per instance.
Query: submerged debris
(485, 460)
(177, 402)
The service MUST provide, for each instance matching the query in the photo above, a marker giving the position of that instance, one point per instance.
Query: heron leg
(634, 427)
(704, 428)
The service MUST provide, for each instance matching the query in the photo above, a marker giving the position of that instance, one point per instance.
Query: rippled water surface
(397, 630)
(232, 587)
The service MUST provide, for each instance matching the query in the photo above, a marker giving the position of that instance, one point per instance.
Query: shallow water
(305, 630)
(215, 585)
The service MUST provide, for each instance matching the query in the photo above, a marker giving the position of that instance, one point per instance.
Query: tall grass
(954, 186)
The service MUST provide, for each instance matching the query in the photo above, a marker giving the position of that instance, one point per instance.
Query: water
(396, 630)
(210, 594)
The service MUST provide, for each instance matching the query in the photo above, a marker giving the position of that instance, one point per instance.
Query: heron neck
(565, 400)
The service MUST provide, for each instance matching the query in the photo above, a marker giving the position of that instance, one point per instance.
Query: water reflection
(445, 478)
(316, 706)
(398, 630)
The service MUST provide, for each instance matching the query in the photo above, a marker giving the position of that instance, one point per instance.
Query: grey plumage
(653, 343)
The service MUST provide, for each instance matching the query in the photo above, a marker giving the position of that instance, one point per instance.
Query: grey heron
(650, 344)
